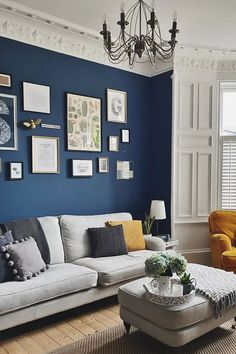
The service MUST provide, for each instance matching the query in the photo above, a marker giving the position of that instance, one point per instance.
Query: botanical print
(8, 139)
(83, 123)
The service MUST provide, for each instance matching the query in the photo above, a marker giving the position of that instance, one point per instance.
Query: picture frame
(116, 106)
(125, 136)
(84, 127)
(103, 165)
(16, 170)
(5, 80)
(124, 170)
(36, 98)
(82, 168)
(45, 154)
(8, 124)
(113, 143)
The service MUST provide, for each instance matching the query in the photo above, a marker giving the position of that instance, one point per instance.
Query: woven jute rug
(222, 340)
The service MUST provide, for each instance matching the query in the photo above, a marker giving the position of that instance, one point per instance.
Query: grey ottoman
(173, 325)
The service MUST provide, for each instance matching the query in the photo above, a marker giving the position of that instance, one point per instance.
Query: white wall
(195, 148)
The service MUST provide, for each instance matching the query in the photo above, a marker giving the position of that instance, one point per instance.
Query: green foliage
(185, 279)
(165, 264)
(147, 224)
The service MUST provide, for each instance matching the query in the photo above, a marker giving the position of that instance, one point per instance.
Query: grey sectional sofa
(74, 277)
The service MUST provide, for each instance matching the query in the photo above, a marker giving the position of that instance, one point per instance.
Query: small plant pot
(187, 288)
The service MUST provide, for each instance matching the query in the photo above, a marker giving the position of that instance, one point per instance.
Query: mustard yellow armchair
(222, 236)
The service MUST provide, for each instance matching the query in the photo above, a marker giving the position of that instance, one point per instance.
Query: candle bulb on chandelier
(122, 6)
(175, 16)
(153, 5)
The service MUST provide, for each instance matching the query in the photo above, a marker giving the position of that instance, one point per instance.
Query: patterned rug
(222, 340)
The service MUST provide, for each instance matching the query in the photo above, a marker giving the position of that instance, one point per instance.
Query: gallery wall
(55, 194)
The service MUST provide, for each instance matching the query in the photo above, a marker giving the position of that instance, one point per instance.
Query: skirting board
(201, 255)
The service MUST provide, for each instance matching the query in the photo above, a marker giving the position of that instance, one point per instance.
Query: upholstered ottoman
(173, 325)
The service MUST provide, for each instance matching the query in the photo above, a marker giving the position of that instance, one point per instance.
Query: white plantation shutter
(228, 175)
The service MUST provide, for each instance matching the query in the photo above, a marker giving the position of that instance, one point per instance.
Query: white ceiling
(203, 23)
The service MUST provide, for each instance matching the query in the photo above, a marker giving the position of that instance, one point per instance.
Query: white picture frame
(116, 106)
(103, 165)
(82, 168)
(113, 143)
(36, 98)
(125, 136)
(8, 122)
(45, 154)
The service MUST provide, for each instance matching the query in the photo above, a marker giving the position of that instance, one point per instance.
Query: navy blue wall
(160, 144)
(40, 194)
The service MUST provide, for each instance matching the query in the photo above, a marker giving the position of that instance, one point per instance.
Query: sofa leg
(234, 324)
(127, 327)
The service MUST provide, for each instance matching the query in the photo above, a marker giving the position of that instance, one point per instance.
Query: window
(228, 145)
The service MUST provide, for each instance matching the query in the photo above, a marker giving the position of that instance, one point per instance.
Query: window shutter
(228, 176)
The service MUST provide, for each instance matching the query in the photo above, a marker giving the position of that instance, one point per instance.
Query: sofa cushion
(5, 271)
(107, 241)
(51, 228)
(59, 280)
(74, 231)
(25, 259)
(133, 233)
(112, 270)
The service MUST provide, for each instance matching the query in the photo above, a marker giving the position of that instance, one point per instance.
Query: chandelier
(140, 37)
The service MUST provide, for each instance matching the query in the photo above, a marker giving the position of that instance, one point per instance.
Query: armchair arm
(219, 244)
(154, 243)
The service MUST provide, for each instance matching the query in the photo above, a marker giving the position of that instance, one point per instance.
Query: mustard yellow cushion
(133, 234)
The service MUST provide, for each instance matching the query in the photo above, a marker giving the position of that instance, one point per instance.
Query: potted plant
(162, 266)
(147, 224)
(188, 283)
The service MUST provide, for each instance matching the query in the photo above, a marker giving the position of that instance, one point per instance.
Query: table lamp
(158, 211)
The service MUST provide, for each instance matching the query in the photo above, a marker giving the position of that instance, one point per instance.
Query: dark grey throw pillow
(107, 241)
(5, 272)
(24, 258)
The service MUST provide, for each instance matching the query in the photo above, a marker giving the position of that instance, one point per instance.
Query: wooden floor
(57, 331)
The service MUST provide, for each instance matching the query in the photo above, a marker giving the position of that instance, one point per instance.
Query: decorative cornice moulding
(44, 35)
(204, 60)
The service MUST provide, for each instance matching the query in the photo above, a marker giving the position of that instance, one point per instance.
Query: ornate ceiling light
(134, 45)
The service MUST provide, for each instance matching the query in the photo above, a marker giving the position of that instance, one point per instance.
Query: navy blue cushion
(5, 271)
(107, 241)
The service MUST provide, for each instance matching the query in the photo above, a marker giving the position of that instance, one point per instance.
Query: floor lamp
(158, 211)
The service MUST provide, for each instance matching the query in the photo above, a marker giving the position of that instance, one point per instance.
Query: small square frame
(5, 80)
(16, 170)
(125, 136)
(103, 165)
(82, 168)
(113, 143)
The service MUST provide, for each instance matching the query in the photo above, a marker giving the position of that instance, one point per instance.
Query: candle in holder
(177, 289)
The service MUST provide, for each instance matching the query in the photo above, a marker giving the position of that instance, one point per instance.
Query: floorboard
(45, 335)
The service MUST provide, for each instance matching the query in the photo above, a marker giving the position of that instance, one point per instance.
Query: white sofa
(74, 277)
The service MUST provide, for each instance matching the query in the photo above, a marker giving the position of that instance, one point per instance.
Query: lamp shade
(158, 210)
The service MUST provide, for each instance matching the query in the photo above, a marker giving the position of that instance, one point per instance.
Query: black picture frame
(16, 170)
(103, 164)
(79, 167)
(125, 136)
